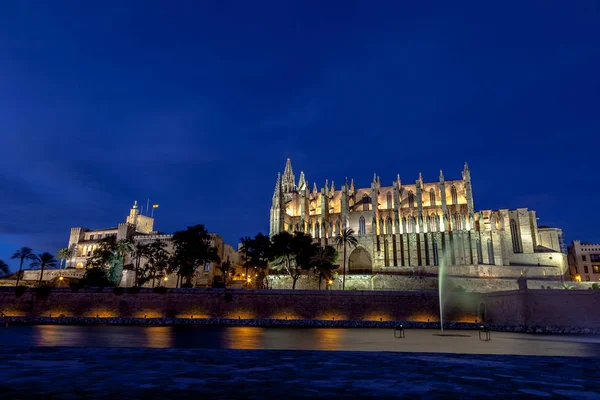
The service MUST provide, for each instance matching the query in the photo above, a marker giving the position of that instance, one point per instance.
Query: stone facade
(139, 229)
(424, 224)
(584, 261)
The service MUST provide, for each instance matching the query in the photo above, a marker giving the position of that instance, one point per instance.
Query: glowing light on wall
(331, 316)
(422, 317)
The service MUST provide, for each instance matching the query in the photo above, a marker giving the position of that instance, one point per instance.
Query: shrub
(187, 285)
(118, 291)
(96, 277)
(160, 290)
(595, 286)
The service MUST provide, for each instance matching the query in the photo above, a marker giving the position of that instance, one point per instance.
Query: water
(329, 339)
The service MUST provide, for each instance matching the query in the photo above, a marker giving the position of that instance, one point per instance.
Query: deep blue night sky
(197, 105)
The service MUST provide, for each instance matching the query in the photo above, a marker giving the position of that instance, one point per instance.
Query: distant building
(584, 261)
(403, 226)
(140, 229)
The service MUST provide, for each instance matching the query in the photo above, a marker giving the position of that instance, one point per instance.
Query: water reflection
(330, 339)
(243, 337)
(55, 335)
(159, 337)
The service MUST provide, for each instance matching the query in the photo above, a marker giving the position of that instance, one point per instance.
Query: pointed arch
(366, 200)
(388, 199)
(454, 194)
(514, 233)
(432, 197)
(362, 226)
(411, 199)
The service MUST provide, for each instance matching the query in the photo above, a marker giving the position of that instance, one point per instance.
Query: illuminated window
(365, 202)
(457, 222)
(596, 269)
(389, 200)
(362, 227)
(411, 225)
(454, 195)
(433, 223)
(432, 197)
(411, 199)
(514, 233)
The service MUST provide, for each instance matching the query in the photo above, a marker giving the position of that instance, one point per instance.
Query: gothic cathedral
(412, 225)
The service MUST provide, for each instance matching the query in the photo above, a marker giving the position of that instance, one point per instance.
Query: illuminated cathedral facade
(410, 225)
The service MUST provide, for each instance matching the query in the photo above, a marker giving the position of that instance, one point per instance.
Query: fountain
(441, 275)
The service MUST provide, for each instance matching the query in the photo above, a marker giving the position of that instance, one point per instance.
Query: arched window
(362, 227)
(389, 226)
(490, 246)
(366, 200)
(435, 253)
(457, 222)
(433, 223)
(432, 197)
(479, 252)
(454, 195)
(411, 199)
(514, 233)
(388, 199)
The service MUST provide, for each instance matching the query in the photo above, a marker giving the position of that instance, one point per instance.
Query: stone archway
(359, 262)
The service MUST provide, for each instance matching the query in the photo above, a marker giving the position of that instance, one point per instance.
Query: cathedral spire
(466, 173)
(302, 181)
(288, 181)
(277, 190)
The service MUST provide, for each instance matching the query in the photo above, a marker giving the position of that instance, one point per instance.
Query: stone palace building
(407, 225)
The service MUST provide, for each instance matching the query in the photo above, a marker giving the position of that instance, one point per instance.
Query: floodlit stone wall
(306, 305)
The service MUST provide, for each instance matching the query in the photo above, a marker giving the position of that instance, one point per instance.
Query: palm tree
(4, 268)
(139, 251)
(346, 238)
(323, 260)
(24, 253)
(246, 250)
(226, 268)
(43, 261)
(64, 254)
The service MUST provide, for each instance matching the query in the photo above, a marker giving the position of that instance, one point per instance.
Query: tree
(96, 277)
(193, 249)
(346, 238)
(110, 254)
(43, 261)
(226, 268)
(65, 254)
(4, 270)
(139, 251)
(292, 253)
(24, 253)
(158, 262)
(323, 260)
(256, 252)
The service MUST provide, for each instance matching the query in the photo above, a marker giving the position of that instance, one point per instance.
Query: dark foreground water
(332, 339)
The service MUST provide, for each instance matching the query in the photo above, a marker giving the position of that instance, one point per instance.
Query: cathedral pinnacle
(352, 185)
(314, 187)
(302, 181)
(288, 181)
(277, 190)
(332, 187)
(441, 176)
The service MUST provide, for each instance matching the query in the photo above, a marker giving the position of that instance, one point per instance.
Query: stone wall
(567, 308)
(404, 282)
(279, 304)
